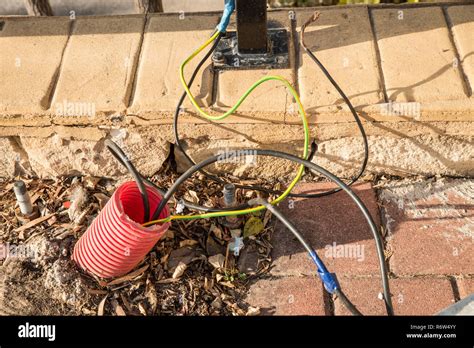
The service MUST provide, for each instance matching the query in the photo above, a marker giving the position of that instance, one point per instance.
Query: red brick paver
(465, 287)
(334, 226)
(413, 296)
(431, 225)
(288, 296)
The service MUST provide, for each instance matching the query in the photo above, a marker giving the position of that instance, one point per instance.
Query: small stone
(252, 311)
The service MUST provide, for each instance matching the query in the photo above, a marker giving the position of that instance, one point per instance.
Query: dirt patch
(189, 271)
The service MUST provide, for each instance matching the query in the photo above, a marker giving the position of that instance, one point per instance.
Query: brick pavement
(428, 232)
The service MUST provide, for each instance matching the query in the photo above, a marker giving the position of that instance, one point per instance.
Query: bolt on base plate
(227, 55)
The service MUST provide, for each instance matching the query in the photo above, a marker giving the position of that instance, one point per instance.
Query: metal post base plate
(227, 54)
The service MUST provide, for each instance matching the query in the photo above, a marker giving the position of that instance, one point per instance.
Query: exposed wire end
(310, 20)
(229, 8)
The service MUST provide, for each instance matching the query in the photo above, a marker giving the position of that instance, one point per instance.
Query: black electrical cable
(338, 292)
(346, 100)
(191, 205)
(373, 227)
(222, 182)
(123, 159)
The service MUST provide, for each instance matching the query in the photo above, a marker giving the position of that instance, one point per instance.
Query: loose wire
(180, 146)
(233, 109)
(327, 278)
(310, 165)
(312, 19)
(123, 159)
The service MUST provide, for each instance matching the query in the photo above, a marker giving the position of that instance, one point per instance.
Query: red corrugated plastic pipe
(116, 241)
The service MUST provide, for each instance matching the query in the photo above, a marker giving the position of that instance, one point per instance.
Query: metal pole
(252, 26)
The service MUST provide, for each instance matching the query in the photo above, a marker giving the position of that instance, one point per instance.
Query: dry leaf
(151, 295)
(178, 272)
(57, 191)
(192, 196)
(52, 220)
(166, 281)
(168, 235)
(129, 276)
(217, 231)
(81, 217)
(37, 195)
(228, 284)
(212, 247)
(96, 291)
(119, 310)
(142, 309)
(91, 182)
(267, 217)
(184, 255)
(249, 194)
(187, 242)
(102, 199)
(126, 303)
(217, 261)
(87, 311)
(217, 303)
(165, 258)
(100, 310)
(34, 222)
(78, 199)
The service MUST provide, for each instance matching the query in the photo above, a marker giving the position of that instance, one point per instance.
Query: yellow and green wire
(228, 113)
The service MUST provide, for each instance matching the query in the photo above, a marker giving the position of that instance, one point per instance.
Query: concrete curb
(403, 67)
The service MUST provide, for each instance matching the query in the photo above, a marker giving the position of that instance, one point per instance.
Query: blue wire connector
(329, 282)
(229, 7)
